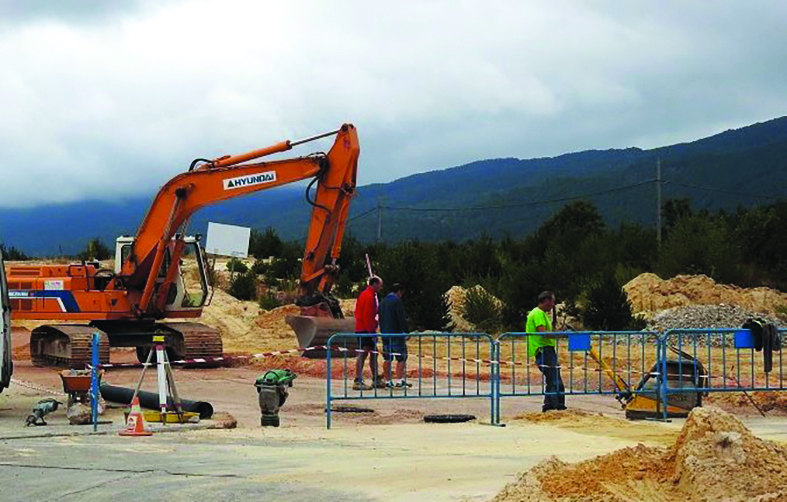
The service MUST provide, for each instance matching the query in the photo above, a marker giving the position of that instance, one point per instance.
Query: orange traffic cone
(136, 422)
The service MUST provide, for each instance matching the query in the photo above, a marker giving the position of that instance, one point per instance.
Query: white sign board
(228, 240)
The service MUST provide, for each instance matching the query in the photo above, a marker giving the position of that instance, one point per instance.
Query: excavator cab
(6, 366)
(190, 291)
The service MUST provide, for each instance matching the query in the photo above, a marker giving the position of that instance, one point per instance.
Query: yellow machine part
(172, 418)
(646, 407)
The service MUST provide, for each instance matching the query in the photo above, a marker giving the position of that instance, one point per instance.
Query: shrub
(260, 267)
(244, 287)
(235, 265)
(269, 301)
(482, 309)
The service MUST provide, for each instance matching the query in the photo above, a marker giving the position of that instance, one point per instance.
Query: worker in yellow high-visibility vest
(542, 348)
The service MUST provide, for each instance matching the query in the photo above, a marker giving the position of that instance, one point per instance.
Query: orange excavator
(129, 304)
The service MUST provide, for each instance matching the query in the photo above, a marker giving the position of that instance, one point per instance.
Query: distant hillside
(723, 171)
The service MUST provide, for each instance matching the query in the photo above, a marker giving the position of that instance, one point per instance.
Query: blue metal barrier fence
(438, 365)
(677, 367)
(702, 361)
(589, 363)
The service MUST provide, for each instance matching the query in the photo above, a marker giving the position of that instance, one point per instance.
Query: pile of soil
(715, 457)
(649, 293)
(246, 328)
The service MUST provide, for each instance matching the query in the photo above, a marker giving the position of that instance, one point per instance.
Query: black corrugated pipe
(149, 400)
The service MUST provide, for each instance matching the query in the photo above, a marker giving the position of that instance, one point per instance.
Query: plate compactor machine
(643, 401)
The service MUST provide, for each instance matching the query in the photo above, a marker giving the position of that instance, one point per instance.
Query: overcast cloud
(110, 99)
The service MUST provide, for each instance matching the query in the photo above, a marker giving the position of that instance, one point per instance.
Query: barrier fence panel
(700, 361)
(437, 365)
(678, 367)
(594, 362)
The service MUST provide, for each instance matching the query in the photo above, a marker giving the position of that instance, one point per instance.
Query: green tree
(265, 244)
(608, 307)
(287, 265)
(12, 253)
(415, 266)
(700, 245)
(244, 286)
(95, 250)
(673, 211)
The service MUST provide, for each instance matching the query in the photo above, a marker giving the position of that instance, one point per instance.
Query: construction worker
(394, 321)
(366, 323)
(542, 348)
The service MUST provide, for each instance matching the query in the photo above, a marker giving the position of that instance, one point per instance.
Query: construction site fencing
(677, 367)
(589, 363)
(720, 360)
(438, 366)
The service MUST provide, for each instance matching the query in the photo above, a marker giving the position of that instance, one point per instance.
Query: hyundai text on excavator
(127, 305)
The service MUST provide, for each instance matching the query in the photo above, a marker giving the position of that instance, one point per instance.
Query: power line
(365, 213)
(555, 200)
(520, 204)
(721, 190)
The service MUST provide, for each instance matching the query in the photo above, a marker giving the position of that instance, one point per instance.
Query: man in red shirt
(366, 323)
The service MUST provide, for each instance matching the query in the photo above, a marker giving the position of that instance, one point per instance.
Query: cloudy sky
(103, 99)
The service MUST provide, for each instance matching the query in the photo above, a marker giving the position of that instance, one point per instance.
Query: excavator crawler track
(198, 340)
(66, 345)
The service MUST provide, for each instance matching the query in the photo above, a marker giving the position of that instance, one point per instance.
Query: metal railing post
(328, 406)
(497, 384)
(663, 378)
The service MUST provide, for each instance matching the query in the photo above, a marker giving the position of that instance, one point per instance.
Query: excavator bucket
(315, 332)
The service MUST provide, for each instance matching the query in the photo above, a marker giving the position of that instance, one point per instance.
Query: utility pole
(379, 220)
(658, 200)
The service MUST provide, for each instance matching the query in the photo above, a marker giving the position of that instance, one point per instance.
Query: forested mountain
(498, 197)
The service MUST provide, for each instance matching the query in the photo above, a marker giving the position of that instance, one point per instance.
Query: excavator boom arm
(227, 177)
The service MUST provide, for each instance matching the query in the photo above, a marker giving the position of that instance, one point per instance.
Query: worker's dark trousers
(555, 397)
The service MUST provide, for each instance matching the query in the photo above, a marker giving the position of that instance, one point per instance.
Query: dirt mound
(649, 293)
(246, 328)
(348, 307)
(715, 457)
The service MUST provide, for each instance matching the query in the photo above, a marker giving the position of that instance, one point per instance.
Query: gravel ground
(706, 316)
